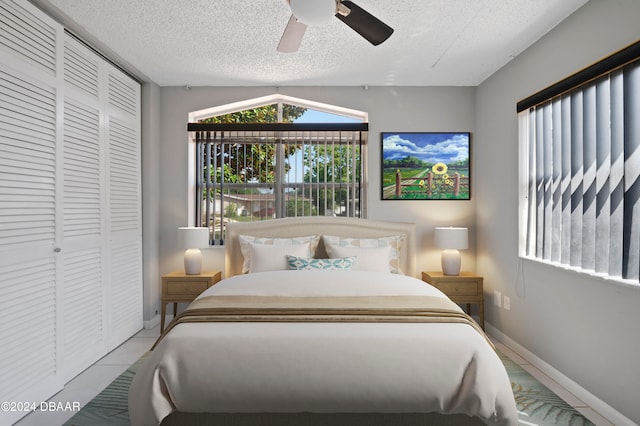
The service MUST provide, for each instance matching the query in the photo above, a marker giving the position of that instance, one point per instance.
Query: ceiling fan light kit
(319, 12)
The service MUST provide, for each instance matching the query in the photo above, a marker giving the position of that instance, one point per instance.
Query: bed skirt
(317, 419)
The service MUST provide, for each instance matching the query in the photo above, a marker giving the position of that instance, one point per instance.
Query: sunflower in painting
(439, 168)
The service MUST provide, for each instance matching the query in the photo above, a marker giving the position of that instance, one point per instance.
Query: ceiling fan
(318, 12)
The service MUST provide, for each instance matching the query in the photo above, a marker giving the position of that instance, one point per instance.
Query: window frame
(539, 178)
(358, 129)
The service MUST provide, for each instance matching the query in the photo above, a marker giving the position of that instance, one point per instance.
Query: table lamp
(451, 239)
(191, 239)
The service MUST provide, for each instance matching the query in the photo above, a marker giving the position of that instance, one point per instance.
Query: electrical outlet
(507, 303)
(497, 298)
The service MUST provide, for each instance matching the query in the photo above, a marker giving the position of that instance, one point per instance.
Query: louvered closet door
(70, 227)
(29, 265)
(83, 301)
(124, 224)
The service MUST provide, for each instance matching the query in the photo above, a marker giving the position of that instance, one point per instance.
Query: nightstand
(463, 288)
(180, 287)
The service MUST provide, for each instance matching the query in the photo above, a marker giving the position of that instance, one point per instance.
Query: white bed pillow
(265, 257)
(304, 263)
(375, 259)
(244, 240)
(394, 243)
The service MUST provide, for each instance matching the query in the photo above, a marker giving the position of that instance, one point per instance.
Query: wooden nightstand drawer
(458, 288)
(178, 287)
(186, 287)
(465, 288)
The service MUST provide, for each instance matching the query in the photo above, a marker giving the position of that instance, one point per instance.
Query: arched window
(276, 157)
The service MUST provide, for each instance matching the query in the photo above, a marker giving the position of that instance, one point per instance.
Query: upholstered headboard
(303, 226)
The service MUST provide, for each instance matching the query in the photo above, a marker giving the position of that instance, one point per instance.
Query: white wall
(584, 327)
(389, 108)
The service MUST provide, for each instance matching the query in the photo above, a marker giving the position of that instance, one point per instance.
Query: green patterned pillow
(303, 263)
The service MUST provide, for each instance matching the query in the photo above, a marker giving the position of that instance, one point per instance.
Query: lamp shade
(192, 237)
(452, 238)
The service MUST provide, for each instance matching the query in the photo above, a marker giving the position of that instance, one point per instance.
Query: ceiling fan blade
(292, 36)
(365, 24)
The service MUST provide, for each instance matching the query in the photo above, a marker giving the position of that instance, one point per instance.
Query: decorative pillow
(265, 257)
(303, 263)
(374, 259)
(244, 240)
(395, 243)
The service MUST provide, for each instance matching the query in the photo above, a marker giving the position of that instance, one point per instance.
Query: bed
(322, 321)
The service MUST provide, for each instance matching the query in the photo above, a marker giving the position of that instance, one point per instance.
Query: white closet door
(70, 226)
(83, 300)
(29, 264)
(124, 224)
(28, 341)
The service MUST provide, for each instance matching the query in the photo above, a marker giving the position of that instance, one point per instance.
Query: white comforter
(322, 367)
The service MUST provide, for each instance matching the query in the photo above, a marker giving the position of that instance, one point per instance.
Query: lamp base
(451, 262)
(192, 261)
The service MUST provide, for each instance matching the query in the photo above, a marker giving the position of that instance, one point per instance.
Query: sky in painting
(429, 147)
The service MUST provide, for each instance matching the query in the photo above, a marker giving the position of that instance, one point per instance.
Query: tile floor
(571, 399)
(91, 382)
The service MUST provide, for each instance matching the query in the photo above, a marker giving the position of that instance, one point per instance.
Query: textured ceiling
(233, 42)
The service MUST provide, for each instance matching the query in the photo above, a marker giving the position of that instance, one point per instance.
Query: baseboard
(153, 322)
(581, 393)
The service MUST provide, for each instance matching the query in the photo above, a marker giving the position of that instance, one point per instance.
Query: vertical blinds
(582, 151)
(264, 171)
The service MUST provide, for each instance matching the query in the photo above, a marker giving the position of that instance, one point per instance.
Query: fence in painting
(427, 186)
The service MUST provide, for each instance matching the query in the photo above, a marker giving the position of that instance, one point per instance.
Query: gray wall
(585, 327)
(389, 108)
(150, 200)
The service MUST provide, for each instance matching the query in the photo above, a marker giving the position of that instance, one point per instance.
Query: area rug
(537, 405)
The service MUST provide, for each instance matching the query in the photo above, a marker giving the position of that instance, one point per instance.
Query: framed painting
(426, 166)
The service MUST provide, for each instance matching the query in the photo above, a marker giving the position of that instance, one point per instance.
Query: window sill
(587, 274)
